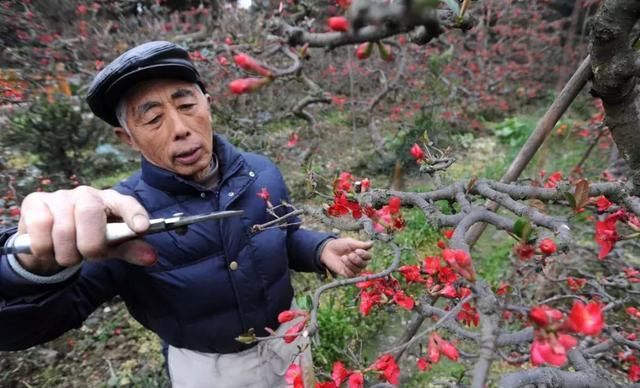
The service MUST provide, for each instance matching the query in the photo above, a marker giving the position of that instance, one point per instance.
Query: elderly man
(198, 291)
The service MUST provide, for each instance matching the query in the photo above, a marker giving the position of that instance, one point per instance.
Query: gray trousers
(262, 366)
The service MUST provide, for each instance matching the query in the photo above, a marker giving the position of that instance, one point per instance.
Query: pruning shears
(118, 232)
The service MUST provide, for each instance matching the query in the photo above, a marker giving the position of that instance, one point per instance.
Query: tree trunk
(615, 64)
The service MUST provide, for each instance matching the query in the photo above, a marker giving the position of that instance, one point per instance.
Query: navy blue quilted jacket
(210, 285)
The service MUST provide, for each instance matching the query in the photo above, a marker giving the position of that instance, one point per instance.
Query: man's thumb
(363, 244)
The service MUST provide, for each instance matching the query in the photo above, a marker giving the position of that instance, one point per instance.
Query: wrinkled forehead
(158, 90)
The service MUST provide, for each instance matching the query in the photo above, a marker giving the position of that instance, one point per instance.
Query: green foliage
(513, 131)
(56, 133)
(61, 139)
(492, 261)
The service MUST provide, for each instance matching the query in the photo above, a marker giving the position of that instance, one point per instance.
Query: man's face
(170, 124)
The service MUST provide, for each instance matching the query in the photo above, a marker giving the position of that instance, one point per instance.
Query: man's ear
(125, 137)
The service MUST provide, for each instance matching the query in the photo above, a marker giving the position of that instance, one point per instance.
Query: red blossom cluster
(380, 291)
(385, 220)
(606, 229)
(437, 347)
(250, 65)
(384, 366)
(525, 251)
(294, 331)
(552, 333)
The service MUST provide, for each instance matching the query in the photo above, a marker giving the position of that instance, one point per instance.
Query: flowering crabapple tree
(585, 333)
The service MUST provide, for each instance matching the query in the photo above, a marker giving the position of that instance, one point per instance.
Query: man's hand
(68, 225)
(346, 256)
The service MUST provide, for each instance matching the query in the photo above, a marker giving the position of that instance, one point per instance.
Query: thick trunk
(614, 64)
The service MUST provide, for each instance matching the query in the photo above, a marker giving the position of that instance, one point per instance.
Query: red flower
(293, 376)
(344, 3)
(575, 284)
(437, 346)
(468, 315)
(632, 274)
(338, 23)
(634, 373)
(448, 233)
(548, 246)
(403, 300)
(326, 384)
(288, 315)
(606, 234)
(250, 64)
(417, 153)
(431, 265)
(423, 364)
(602, 203)
(586, 319)
(389, 368)
(293, 140)
(449, 291)
(460, 261)
(503, 288)
(411, 273)
(551, 350)
(263, 193)
(447, 275)
(524, 251)
(553, 179)
(364, 50)
(294, 331)
(448, 349)
(367, 301)
(433, 352)
(356, 380)
(247, 85)
(82, 9)
(228, 40)
(339, 373)
(633, 312)
(544, 315)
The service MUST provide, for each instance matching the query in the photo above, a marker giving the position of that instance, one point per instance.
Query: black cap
(150, 60)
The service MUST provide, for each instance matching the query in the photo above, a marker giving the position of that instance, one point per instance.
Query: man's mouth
(189, 156)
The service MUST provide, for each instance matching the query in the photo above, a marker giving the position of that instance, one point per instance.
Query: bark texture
(615, 64)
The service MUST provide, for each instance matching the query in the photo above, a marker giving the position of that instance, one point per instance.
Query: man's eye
(154, 120)
(186, 106)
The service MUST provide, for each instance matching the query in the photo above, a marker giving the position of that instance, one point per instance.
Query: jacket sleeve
(33, 313)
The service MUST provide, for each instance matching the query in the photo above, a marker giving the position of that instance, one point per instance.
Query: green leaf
(453, 5)
(571, 199)
(522, 229)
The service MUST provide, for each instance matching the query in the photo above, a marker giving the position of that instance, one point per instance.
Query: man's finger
(364, 255)
(64, 229)
(357, 261)
(350, 265)
(91, 223)
(136, 252)
(357, 244)
(37, 220)
(127, 208)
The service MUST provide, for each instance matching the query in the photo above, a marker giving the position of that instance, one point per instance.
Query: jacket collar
(229, 158)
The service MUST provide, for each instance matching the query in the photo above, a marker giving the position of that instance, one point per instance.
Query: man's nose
(180, 127)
